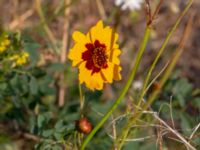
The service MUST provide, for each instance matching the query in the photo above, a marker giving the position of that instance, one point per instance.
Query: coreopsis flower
(129, 4)
(4, 43)
(96, 55)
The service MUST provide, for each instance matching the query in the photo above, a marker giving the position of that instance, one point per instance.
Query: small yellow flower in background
(20, 59)
(4, 43)
(96, 55)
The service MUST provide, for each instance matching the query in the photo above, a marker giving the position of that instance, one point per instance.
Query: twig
(135, 139)
(175, 132)
(61, 95)
(31, 137)
(20, 19)
(114, 131)
(160, 51)
(157, 76)
(171, 113)
(81, 100)
(195, 130)
(157, 9)
(101, 9)
(159, 139)
(148, 10)
(46, 28)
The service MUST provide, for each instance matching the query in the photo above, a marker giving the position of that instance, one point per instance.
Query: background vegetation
(40, 100)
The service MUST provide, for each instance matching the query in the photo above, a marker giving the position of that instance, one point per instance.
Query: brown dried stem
(101, 9)
(61, 94)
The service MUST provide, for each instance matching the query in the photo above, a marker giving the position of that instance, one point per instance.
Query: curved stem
(161, 51)
(138, 114)
(125, 89)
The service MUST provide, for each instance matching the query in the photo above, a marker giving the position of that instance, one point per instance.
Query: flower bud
(83, 125)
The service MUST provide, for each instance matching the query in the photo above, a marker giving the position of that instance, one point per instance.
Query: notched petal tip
(116, 72)
(100, 23)
(94, 85)
(107, 74)
(78, 36)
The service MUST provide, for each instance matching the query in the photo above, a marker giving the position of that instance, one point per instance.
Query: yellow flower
(4, 44)
(20, 59)
(96, 55)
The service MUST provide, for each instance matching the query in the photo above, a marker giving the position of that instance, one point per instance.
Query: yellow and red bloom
(96, 55)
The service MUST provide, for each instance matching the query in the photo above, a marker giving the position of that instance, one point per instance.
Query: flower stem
(120, 140)
(125, 89)
(161, 50)
(155, 93)
(173, 61)
(81, 100)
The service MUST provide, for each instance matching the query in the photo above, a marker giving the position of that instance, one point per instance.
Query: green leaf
(185, 124)
(31, 48)
(44, 85)
(131, 145)
(196, 102)
(56, 67)
(3, 86)
(5, 107)
(33, 86)
(32, 124)
(183, 87)
(47, 133)
(58, 135)
(56, 147)
(181, 100)
(59, 125)
(41, 120)
(24, 82)
(15, 86)
(182, 90)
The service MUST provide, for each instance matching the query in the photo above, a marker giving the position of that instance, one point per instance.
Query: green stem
(124, 91)
(161, 51)
(174, 60)
(22, 72)
(120, 140)
(151, 98)
(81, 100)
(45, 26)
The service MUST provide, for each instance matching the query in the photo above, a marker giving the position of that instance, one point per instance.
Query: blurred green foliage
(28, 105)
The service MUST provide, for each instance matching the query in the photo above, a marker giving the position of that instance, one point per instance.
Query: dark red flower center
(95, 56)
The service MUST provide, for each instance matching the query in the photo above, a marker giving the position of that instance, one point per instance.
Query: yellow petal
(115, 56)
(94, 81)
(108, 72)
(96, 32)
(116, 72)
(104, 35)
(75, 53)
(80, 37)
